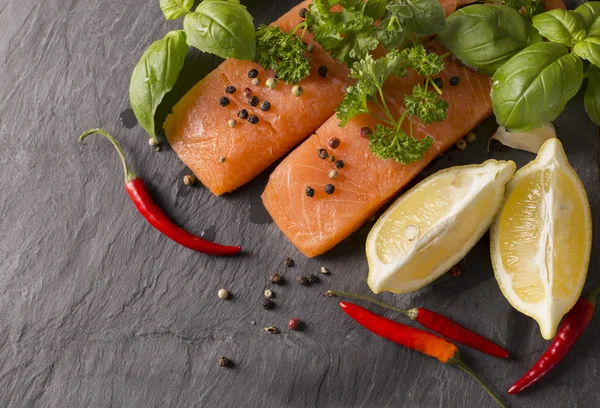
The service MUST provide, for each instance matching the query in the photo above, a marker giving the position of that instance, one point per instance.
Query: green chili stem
(591, 295)
(410, 313)
(129, 174)
(457, 361)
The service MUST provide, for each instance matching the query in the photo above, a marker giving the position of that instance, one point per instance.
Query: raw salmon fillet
(366, 182)
(198, 132)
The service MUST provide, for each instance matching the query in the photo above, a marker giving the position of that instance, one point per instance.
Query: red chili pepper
(138, 193)
(439, 324)
(415, 339)
(570, 330)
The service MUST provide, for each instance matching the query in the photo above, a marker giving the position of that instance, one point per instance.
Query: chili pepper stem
(410, 313)
(128, 173)
(592, 294)
(458, 362)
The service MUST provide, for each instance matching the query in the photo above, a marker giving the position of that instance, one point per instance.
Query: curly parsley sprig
(391, 141)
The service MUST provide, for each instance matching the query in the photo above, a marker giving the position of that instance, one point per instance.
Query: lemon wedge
(542, 238)
(432, 227)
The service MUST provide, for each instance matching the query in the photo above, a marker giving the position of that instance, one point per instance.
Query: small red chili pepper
(138, 193)
(415, 339)
(570, 330)
(439, 324)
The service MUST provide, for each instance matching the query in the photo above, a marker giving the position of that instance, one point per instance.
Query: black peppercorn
(253, 119)
(366, 132)
(276, 279)
(265, 106)
(439, 82)
(323, 71)
(302, 12)
(310, 191)
(253, 101)
(224, 362)
(243, 114)
(267, 304)
(247, 93)
(230, 89)
(252, 73)
(224, 101)
(302, 280)
(312, 278)
(329, 188)
(289, 262)
(334, 142)
(323, 154)
(454, 81)
(339, 164)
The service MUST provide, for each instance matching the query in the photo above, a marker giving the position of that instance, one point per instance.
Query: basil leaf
(390, 33)
(428, 17)
(589, 13)
(591, 100)
(173, 9)
(375, 8)
(154, 76)
(534, 86)
(485, 36)
(589, 49)
(560, 26)
(222, 28)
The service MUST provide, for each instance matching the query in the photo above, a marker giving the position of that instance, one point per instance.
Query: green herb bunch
(532, 79)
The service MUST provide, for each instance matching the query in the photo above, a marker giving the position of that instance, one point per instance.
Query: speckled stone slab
(99, 310)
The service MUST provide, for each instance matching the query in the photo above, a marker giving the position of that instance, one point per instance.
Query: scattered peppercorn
(276, 279)
(312, 278)
(332, 158)
(302, 12)
(334, 142)
(455, 271)
(232, 123)
(461, 144)
(271, 330)
(333, 174)
(256, 82)
(253, 101)
(324, 270)
(224, 101)
(366, 132)
(267, 304)
(253, 119)
(252, 73)
(222, 294)
(224, 362)
(339, 164)
(247, 93)
(322, 154)
(310, 48)
(222, 159)
(439, 82)
(157, 148)
(265, 106)
(243, 114)
(188, 180)
(289, 262)
(310, 191)
(471, 137)
(253, 322)
(322, 71)
(152, 142)
(271, 83)
(268, 293)
(294, 324)
(454, 81)
(297, 90)
(230, 89)
(275, 75)
(302, 280)
(329, 188)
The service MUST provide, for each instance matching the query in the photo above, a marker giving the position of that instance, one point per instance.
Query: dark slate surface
(99, 310)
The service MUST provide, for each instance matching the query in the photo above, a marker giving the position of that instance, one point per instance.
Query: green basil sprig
(485, 36)
(591, 100)
(427, 18)
(223, 28)
(560, 26)
(589, 13)
(154, 76)
(173, 9)
(534, 86)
